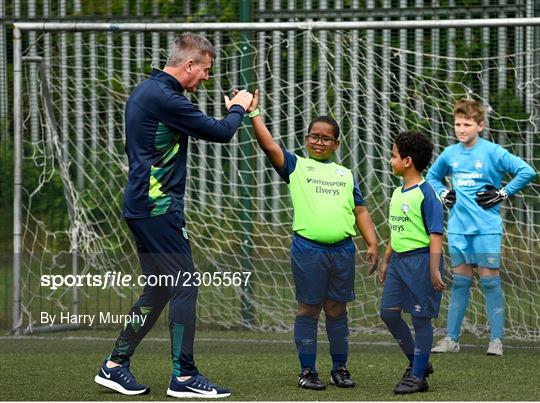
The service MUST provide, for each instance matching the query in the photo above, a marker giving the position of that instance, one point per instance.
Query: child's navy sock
(423, 338)
(305, 337)
(399, 330)
(338, 336)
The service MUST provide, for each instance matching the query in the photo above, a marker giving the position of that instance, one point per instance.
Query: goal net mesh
(374, 83)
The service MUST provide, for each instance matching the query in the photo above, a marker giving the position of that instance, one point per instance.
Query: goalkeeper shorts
(482, 250)
(323, 272)
(408, 284)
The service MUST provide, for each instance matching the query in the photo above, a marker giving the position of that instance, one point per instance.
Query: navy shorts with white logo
(408, 284)
(323, 271)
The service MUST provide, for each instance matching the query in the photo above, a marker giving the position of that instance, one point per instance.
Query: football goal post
(376, 78)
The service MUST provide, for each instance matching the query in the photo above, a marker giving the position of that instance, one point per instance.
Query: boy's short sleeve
(289, 165)
(432, 210)
(358, 196)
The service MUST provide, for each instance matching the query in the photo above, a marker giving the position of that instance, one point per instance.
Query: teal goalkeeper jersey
(415, 213)
(470, 170)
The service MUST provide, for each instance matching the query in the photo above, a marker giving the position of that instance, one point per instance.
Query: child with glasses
(327, 204)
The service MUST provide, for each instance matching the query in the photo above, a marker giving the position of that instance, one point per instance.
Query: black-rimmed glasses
(313, 138)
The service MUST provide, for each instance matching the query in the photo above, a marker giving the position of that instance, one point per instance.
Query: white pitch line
(214, 340)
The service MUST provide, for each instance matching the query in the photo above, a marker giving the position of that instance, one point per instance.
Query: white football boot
(446, 345)
(495, 348)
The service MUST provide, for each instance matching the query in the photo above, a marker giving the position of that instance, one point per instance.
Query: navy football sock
(423, 338)
(400, 331)
(338, 336)
(305, 337)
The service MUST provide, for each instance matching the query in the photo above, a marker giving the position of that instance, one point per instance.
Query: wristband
(254, 113)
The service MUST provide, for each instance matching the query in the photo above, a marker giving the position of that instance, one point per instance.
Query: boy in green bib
(412, 266)
(327, 204)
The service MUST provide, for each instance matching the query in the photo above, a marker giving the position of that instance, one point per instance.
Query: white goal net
(375, 83)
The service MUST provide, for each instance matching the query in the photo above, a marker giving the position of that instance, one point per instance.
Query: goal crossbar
(282, 26)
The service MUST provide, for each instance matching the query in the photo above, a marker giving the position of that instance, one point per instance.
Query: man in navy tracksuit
(159, 121)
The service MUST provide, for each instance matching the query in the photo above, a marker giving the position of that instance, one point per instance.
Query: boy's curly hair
(417, 146)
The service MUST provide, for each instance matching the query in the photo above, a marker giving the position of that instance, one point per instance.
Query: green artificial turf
(260, 366)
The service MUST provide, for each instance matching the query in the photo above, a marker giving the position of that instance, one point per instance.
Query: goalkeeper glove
(491, 196)
(448, 197)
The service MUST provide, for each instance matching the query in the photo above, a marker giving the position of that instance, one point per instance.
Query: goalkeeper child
(412, 265)
(327, 204)
(476, 167)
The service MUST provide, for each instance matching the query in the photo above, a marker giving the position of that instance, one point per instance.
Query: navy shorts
(408, 284)
(323, 272)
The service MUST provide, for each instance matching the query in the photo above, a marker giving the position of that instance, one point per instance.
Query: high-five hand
(242, 98)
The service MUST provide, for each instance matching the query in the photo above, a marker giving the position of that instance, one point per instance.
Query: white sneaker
(495, 348)
(446, 345)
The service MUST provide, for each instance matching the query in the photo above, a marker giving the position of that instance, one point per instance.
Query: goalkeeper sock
(305, 337)
(400, 331)
(459, 300)
(423, 338)
(337, 331)
(493, 294)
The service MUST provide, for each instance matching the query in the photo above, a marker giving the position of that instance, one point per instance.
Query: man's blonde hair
(470, 109)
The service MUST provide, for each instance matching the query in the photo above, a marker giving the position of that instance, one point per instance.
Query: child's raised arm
(263, 135)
